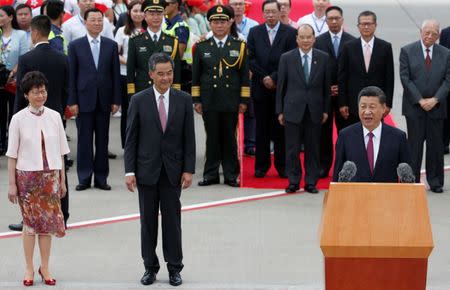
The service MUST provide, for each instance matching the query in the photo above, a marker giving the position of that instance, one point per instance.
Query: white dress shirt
(158, 34)
(375, 139)
(90, 39)
(224, 40)
(319, 25)
(166, 99)
(370, 43)
(273, 30)
(339, 35)
(309, 58)
(425, 52)
(166, 105)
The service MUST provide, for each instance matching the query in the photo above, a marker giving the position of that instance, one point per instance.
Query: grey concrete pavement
(264, 244)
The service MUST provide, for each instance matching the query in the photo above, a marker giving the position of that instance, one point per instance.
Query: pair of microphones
(404, 172)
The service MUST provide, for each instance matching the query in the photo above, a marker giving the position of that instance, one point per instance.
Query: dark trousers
(90, 124)
(166, 197)
(447, 125)
(268, 128)
(221, 146)
(124, 108)
(326, 136)
(311, 140)
(249, 127)
(6, 112)
(427, 130)
(65, 199)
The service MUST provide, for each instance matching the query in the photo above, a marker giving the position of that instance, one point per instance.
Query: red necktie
(162, 112)
(370, 154)
(428, 59)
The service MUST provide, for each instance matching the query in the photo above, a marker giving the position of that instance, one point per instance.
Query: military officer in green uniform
(220, 90)
(143, 45)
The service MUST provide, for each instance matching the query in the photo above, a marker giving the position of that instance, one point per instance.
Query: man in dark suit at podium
(376, 148)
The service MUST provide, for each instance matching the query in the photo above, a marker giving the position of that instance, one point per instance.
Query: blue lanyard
(315, 24)
(242, 25)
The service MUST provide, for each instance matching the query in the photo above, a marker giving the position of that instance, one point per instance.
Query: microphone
(347, 172)
(405, 173)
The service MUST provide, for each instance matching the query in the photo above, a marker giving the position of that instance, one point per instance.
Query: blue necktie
(95, 51)
(306, 68)
(336, 45)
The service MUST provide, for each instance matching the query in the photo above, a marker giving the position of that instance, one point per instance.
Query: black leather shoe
(206, 182)
(103, 186)
(292, 188)
(81, 187)
(175, 279)
(232, 183)
(148, 278)
(437, 189)
(16, 227)
(323, 173)
(311, 188)
(250, 151)
(69, 162)
(259, 174)
(446, 150)
(111, 155)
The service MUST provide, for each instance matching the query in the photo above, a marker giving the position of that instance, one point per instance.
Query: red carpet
(272, 180)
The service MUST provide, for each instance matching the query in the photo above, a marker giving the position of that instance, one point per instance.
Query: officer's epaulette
(136, 34)
(237, 39)
(200, 40)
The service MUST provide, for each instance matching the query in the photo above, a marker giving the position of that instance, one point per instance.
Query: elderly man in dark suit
(266, 43)
(425, 76)
(376, 148)
(54, 65)
(94, 93)
(366, 61)
(303, 98)
(332, 42)
(160, 160)
(445, 41)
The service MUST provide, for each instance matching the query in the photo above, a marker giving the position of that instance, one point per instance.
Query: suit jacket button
(215, 77)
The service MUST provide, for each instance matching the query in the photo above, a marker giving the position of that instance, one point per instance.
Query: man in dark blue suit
(266, 43)
(332, 42)
(376, 148)
(94, 93)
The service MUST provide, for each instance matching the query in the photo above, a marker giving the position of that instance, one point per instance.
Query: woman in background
(134, 25)
(13, 43)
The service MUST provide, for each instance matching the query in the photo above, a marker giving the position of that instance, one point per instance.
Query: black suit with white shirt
(303, 101)
(158, 158)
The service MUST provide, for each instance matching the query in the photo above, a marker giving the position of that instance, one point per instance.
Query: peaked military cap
(153, 5)
(219, 12)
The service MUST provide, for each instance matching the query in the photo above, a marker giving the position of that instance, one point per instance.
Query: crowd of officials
(291, 79)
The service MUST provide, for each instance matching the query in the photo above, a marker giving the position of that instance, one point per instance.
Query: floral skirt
(40, 202)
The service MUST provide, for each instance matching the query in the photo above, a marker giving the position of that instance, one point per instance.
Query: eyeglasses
(237, 4)
(366, 24)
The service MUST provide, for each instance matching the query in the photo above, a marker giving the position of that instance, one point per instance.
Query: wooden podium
(375, 236)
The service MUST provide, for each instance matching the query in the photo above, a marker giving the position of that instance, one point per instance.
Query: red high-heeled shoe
(28, 282)
(50, 282)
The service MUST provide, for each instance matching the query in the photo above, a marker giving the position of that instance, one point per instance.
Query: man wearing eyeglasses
(366, 61)
(332, 43)
(285, 9)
